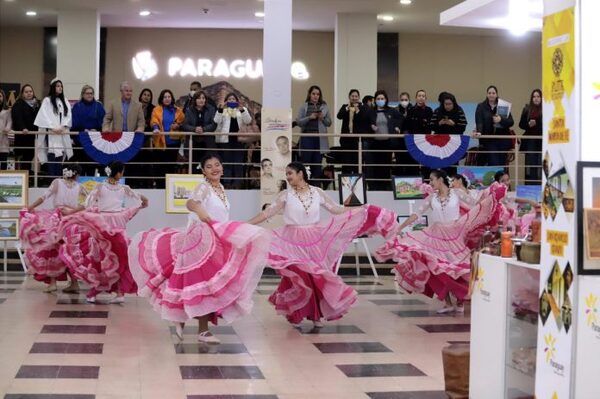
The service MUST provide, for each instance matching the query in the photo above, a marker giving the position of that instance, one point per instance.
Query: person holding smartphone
(449, 117)
(356, 119)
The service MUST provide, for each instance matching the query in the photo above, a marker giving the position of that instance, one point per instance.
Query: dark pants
(233, 154)
(533, 169)
(498, 152)
(380, 154)
(407, 166)
(3, 160)
(165, 163)
(54, 165)
(312, 156)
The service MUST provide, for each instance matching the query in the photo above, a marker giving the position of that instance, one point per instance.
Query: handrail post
(190, 150)
(360, 155)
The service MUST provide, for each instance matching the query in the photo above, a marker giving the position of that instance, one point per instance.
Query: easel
(5, 214)
(356, 259)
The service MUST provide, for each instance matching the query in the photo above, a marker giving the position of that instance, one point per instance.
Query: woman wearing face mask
(54, 117)
(168, 149)
(436, 260)
(23, 115)
(206, 271)
(232, 117)
(95, 241)
(531, 123)
(404, 105)
(305, 251)
(387, 121)
(488, 122)
(313, 117)
(449, 117)
(356, 118)
(5, 130)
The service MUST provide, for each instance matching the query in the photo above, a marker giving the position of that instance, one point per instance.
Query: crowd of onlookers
(197, 113)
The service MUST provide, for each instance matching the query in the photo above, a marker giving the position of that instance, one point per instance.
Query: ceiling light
(386, 18)
(144, 13)
(259, 14)
(31, 13)
(405, 2)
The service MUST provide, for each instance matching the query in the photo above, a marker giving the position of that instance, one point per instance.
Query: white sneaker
(208, 338)
(179, 330)
(446, 309)
(459, 309)
(317, 324)
(50, 288)
(90, 299)
(117, 300)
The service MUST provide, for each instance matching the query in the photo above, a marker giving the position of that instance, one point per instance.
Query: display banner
(561, 149)
(275, 153)
(588, 315)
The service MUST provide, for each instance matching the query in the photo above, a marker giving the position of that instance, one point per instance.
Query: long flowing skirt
(95, 249)
(436, 260)
(305, 257)
(204, 270)
(40, 239)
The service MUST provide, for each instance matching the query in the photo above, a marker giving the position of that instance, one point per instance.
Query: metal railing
(378, 162)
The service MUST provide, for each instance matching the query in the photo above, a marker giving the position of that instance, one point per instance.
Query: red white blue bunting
(107, 147)
(437, 150)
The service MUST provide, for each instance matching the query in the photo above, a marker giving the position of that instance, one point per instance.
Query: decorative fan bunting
(437, 150)
(111, 146)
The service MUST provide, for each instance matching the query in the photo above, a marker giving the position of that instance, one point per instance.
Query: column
(355, 57)
(78, 50)
(276, 136)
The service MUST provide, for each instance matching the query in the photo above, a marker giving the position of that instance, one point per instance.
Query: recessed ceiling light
(259, 14)
(386, 18)
(405, 2)
(31, 13)
(144, 13)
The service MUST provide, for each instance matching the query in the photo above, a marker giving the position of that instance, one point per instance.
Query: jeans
(54, 165)
(311, 158)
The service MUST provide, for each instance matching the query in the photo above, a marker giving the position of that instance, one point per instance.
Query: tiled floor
(54, 346)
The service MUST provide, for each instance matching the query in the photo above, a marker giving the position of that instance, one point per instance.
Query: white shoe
(90, 299)
(446, 309)
(179, 330)
(318, 324)
(50, 288)
(117, 300)
(208, 338)
(459, 309)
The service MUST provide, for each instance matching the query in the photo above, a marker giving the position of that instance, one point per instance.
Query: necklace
(444, 201)
(220, 192)
(306, 202)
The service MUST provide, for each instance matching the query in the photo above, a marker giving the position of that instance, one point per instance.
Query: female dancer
(436, 260)
(305, 251)
(206, 271)
(40, 229)
(95, 244)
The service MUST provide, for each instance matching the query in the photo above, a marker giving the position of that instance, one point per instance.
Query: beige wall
(313, 48)
(467, 65)
(22, 57)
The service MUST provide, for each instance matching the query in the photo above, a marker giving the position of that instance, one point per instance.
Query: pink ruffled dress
(206, 269)
(95, 241)
(436, 260)
(305, 251)
(40, 230)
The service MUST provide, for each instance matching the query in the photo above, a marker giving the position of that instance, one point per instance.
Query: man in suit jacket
(125, 114)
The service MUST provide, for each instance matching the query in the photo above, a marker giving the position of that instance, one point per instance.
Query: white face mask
(404, 103)
(192, 92)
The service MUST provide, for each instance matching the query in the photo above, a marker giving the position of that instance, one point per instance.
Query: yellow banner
(558, 59)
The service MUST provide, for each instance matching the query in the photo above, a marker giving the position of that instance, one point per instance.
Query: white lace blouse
(110, 197)
(216, 208)
(302, 209)
(448, 210)
(65, 193)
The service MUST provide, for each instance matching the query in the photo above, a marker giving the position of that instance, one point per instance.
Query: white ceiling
(515, 15)
(314, 15)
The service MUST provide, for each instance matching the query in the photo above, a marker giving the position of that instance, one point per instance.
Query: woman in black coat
(356, 118)
(531, 123)
(23, 115)
(488, 122)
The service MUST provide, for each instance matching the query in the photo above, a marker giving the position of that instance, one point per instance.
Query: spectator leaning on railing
(88, 114)
(166, 117)
(54, 117)
(356, 118)
(449, 117)
(23, 114)
(124, 114)
(199, 119)
(531, 123)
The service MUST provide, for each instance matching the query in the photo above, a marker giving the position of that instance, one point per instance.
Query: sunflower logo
(557, 62)
(144, 65)
(550, 349)
(591, 311)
